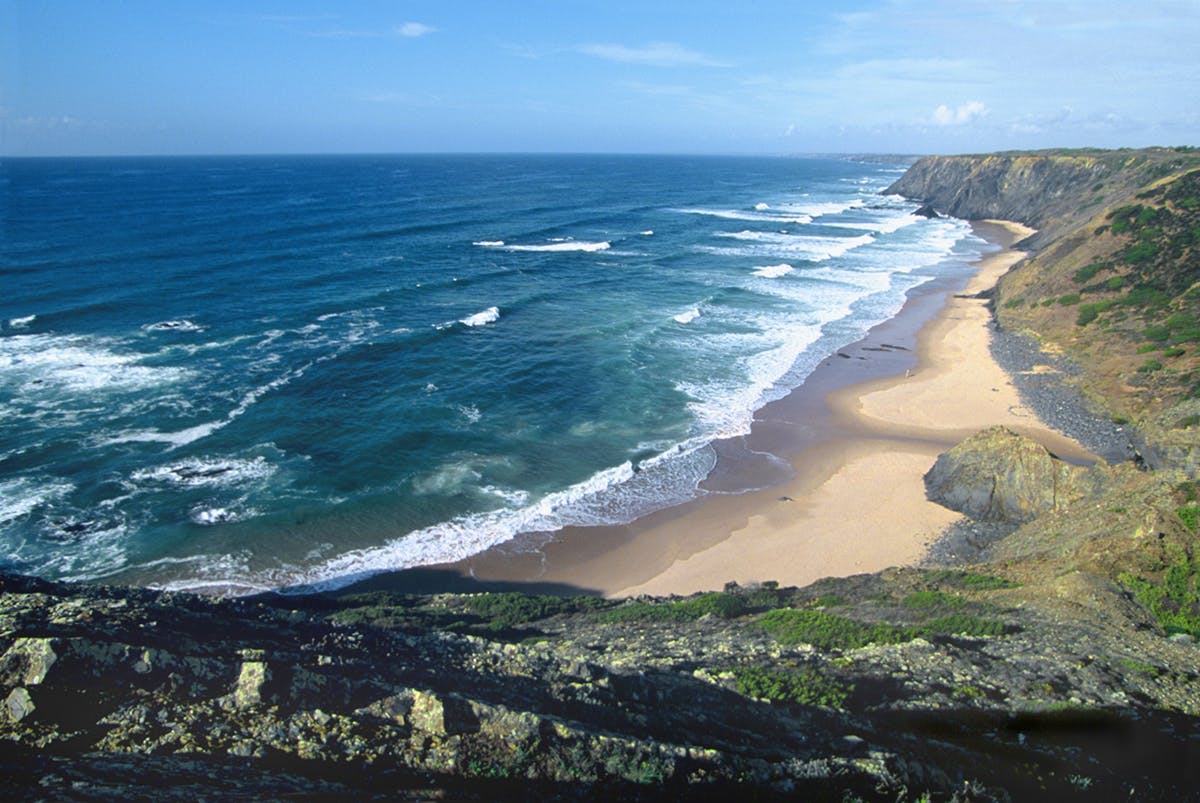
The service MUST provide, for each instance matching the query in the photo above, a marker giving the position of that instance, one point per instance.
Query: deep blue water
(263, 371)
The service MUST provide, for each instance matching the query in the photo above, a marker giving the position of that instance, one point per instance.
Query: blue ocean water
(248, 373)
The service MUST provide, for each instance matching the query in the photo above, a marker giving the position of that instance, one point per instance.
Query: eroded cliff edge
(1112, 283)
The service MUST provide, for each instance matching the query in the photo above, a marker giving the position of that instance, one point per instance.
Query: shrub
(1175, 601)
(1150, 366)
(932, 599)
(504, 610)
(1086, 274)
(1157, 334)
(1069, 299)
(803, 686)
(1114, 284)
(718, 603)
(829, 631)
(1174, 351)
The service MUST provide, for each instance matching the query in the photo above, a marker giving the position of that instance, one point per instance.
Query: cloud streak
(654, 54)
(413, 30)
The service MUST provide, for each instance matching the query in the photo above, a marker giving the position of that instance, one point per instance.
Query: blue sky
(701, 76)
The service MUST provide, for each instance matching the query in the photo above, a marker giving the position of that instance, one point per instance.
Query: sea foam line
(561, 245)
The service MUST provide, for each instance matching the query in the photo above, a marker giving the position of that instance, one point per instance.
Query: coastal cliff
(1111, 289)
(1048, 651)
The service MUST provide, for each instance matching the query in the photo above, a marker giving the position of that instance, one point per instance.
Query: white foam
(21, 496)
(794, 246)
(208, 516)
(817, 209)
(77, 363)
(757, 217)
(489, 315)
(558, 244)
(648, 233)
(182, 325)
(689, 316)
(761, 207)
(21, 323)
(207, 471)
(773, 271)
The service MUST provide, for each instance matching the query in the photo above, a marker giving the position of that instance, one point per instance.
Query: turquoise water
(249, 373)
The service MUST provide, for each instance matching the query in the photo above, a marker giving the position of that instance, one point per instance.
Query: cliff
(1111, 283)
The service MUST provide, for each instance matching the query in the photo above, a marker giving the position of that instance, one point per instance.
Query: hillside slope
(1112, 281)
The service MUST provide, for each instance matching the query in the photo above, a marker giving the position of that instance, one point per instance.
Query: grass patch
(1150, 366)
(718, 603)
(1086, 274)
(1175, 600)
(973, 581)
(1069, 300)
(829, 631)
(932, 599)
(803, 686)
(1090, 312)
(510, 609)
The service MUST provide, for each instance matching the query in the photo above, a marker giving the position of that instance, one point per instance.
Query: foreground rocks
(954, 684)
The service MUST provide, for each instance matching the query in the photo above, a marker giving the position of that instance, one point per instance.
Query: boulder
(927, 211)
(998, 475)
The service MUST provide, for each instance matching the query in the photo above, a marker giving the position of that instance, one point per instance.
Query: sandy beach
(838, 463)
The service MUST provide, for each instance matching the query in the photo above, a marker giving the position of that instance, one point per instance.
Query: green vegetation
(1150, 366)
(718, 603)
(829, 631)
(970, 581)
(1068, 300)
(1085, 275)
(932, 599)
(505, 610)
(803, 686)
(1190, 516)
(1090, 312)
(1013, 303)
(1175, 600)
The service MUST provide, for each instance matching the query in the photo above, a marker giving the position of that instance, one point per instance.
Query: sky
(86, 77)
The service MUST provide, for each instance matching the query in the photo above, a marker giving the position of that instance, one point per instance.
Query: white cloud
(944, 115)
(656, 54)
(415, 29)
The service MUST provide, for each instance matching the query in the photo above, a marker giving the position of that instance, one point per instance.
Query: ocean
(246, 373)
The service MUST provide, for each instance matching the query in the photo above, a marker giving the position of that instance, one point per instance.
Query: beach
(840, 462)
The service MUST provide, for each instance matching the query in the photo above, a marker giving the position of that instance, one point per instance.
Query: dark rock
(927, 211)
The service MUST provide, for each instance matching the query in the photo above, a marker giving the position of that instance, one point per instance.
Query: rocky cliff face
(1113, 280)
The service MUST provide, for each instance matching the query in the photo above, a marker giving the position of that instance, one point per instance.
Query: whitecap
(773, 271)
(561, 245)
(761, 207)
(182, 325)
(689, 316)
(21, 496)
(21, 323)
(209, 516)
(206, 471)
(77, 363)
(648, 233)
(470, 412)
(489, 243)
(489, 315)
(757, 217)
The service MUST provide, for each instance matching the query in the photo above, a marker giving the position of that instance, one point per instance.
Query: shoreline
(863, 427)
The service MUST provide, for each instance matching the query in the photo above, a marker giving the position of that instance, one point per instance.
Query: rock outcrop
(881, 687)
